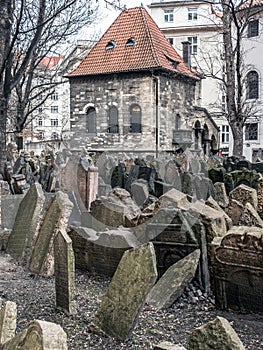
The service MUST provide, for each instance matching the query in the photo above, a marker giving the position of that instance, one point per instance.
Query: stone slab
(125, 297)
(8, 315)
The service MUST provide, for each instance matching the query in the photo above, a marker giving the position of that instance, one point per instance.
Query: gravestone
(9, 208)
(173, 282)
(139, 191)
(237, 261)
(64, 271)
(39, 335)
(234, 210)
(125, 297)
(245, 194)
(56, 218)
(250, 217)
(215, 335)
(220, 194)
(26, 224)
(8, 315)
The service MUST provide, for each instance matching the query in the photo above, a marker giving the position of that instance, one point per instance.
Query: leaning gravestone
(7, 322)
(26, 223)
(56, 218)
(127, 292)
(64, 271)
(215, 335)
(172, 284)
(39, 335)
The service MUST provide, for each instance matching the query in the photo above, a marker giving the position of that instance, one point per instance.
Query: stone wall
(175, 97)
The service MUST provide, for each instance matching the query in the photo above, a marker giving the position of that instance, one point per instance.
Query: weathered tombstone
(211, 202)
(64, 271)
(55, 219)
(26, 224)
(250, 217)
(234, 210)
(127, 292)
(19, 183)
(216, 174)
(220, 194)
(139, 191)
(245, 194)
(237, 261)
(39, 335)
(9, 208)
(215, 335)
(133, 175)
(173, 282)
(8, 315)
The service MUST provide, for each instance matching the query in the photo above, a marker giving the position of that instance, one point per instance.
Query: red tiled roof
(151, 49)
(250, 3)
(48, 62)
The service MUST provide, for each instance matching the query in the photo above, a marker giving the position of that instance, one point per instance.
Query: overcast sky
(108, 15)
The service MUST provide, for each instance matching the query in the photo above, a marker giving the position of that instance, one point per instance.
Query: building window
(54, 136)
(168, 15)
(193, 44)
(54, 109)
(252, 85)
(41, 135)
(225, 133)
(135, 119)
(54, 96)
(252, 28)
(54, 122)
(113, 121)
(40, 109)
(171, 40)
(251, 131)
(192, 14)
(91, 120)
(40, 121)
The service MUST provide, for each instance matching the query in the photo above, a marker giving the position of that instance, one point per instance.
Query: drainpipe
(156, 84)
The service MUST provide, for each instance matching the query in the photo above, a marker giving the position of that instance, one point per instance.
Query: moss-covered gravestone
(26, 223)
(215, 335)
(127, 292)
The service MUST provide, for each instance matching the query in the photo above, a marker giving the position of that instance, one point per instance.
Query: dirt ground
(35, 298)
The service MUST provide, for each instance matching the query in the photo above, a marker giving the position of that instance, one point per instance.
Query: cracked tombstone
(64, 271)
(26, 224)
(56, 218)
(126, 295)
(39, 335)
(173, 282)
(8, 315)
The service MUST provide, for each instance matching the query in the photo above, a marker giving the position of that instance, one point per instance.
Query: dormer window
(111, 44)
(130, 42)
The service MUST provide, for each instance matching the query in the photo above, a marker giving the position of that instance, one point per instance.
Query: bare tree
(29, 31)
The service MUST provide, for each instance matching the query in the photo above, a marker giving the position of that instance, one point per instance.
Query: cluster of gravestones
(174, 236)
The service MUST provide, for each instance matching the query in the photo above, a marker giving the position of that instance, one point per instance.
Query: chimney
(186, 53)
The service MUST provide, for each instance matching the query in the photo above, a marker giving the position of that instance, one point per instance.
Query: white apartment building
(253, 69)
(50, 125)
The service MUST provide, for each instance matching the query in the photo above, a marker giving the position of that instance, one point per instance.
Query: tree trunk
(3, 119)
(237, 131)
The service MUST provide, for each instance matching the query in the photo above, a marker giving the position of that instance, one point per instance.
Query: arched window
(252, 85)
(113, 120)
(54, 136)
(91, 120)
(135, 119)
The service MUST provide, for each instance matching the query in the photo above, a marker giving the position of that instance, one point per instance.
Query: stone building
(134, 92)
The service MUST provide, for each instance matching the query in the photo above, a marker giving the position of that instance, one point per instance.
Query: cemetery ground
(35, 299)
